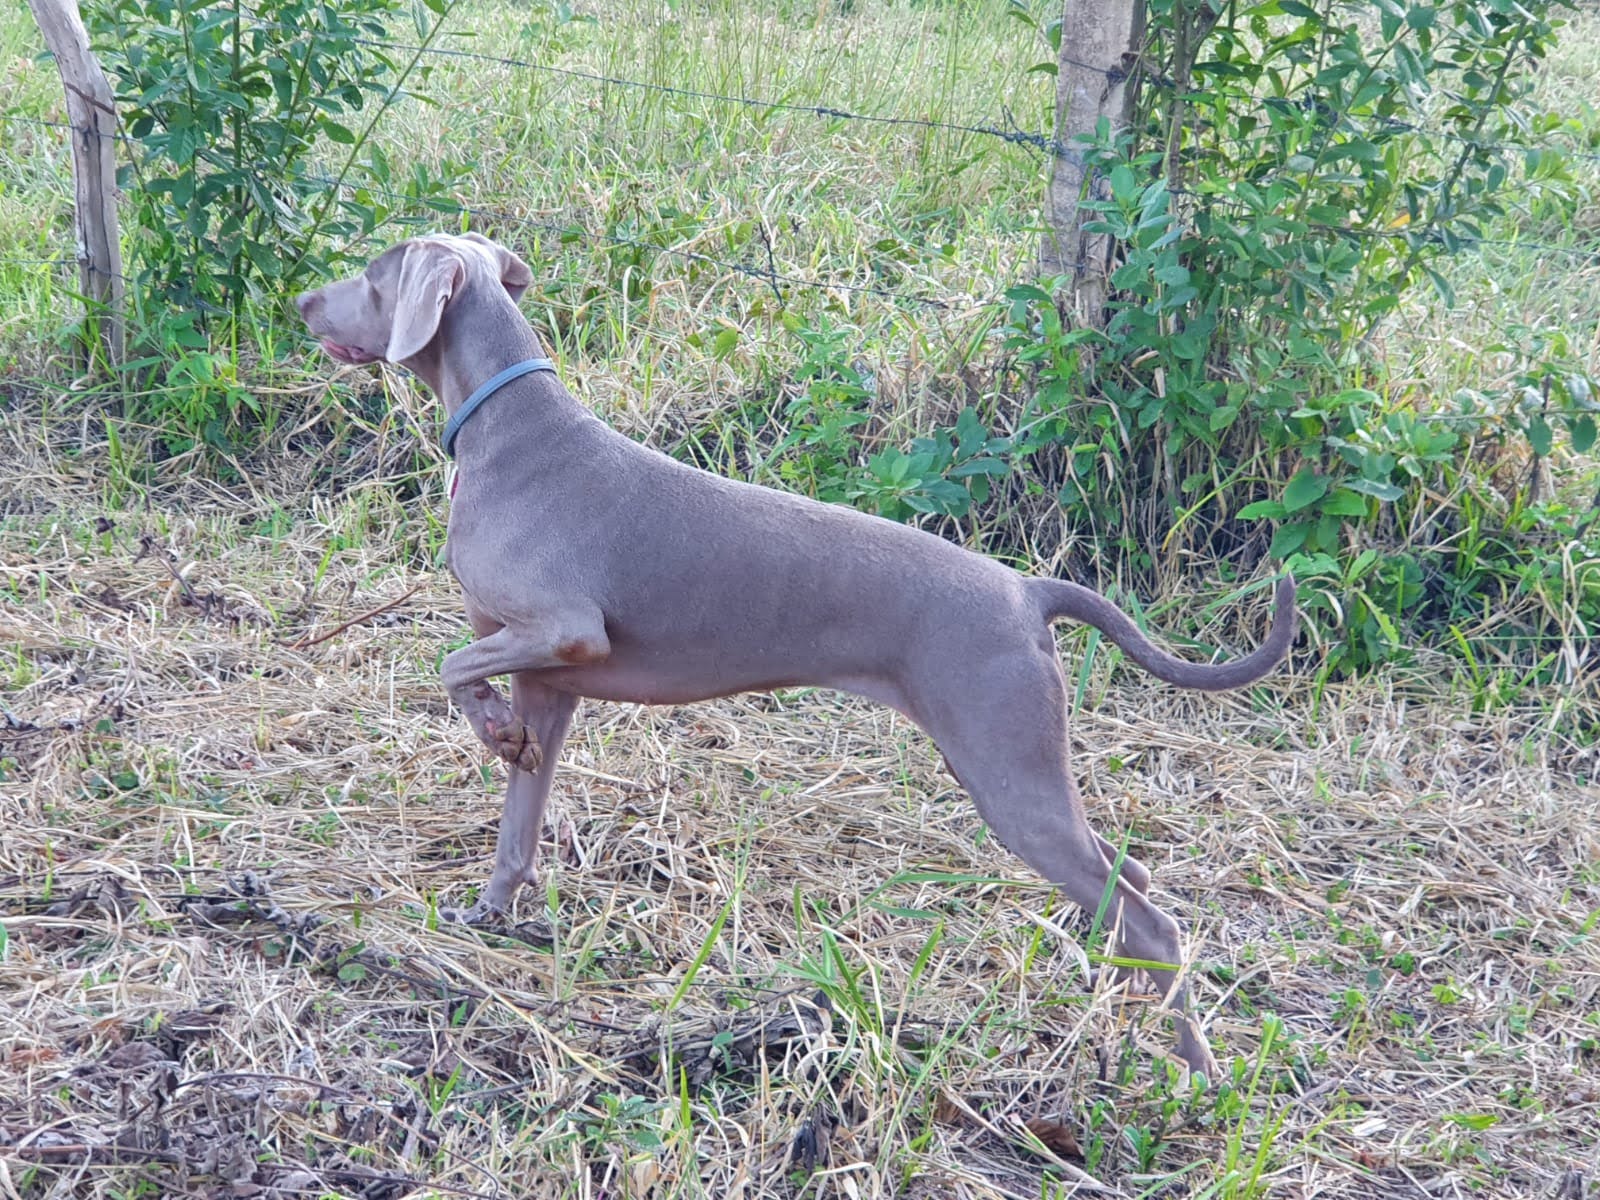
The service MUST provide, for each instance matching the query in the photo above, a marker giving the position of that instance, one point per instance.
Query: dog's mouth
(354, 355)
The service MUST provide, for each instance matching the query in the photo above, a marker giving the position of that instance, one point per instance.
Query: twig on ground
(305, 643)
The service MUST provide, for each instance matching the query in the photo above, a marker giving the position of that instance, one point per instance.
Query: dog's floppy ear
(515, 275)
(430, 273)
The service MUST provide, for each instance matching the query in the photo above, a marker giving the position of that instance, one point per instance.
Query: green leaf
(1351, 397)
(1028, 292)
(1374, 487)
(1019, 11)
(266, 259)
(1582, 430)
(1540, 436)
(1409, 66)
(1123, 183)
(1345, 503)
(1289, 538)
(338, 133)
(1442, 286)
(1307, 487)
(980, 466)
(1262, 508)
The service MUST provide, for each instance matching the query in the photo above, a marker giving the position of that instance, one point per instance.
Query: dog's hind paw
(1195, 1051)
(516, 744)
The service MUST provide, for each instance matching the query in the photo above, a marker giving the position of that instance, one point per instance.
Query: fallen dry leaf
(1056, 1137)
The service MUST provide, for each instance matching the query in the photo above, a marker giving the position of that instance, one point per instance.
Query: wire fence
(1005, 130)
(1007, 133)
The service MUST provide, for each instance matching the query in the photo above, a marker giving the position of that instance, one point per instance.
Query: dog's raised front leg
(547, 713)
(559, 640)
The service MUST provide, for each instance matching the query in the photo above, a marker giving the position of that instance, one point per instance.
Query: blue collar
(475, 401)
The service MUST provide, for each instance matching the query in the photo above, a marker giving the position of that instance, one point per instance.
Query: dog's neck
(474, 343)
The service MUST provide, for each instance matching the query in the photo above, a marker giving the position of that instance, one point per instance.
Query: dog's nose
(304, 301)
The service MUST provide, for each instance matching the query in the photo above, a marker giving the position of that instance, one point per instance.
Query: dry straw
(225, 833)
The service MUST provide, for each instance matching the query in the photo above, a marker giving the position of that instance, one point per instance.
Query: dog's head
(391, 311)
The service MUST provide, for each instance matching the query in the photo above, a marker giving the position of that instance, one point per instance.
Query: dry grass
(775, 955)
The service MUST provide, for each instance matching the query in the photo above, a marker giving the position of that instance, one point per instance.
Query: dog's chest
(451, 524)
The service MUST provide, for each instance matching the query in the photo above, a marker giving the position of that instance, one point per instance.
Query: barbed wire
(1389, 126)
(1217, 200)
(768, 274)
(19, 119)
(1453, 136)
(1009, 132)
(1012, 134)
(1503, 417)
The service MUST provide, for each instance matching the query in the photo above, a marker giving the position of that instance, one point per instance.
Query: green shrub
(1295, 173)
(231, 112)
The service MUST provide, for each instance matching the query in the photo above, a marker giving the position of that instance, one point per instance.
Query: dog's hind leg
(1007, 745)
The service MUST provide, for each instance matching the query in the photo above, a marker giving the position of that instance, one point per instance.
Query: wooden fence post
(92, 113)
(1100, 46)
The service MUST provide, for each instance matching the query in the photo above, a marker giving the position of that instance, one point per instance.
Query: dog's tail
(1058, 598)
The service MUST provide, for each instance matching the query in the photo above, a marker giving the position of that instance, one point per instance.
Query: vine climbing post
(1098, 59)
(92, 114)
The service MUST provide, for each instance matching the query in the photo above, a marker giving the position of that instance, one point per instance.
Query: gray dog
(593, 566)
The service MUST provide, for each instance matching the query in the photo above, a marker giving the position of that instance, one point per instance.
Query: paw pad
(518, 745)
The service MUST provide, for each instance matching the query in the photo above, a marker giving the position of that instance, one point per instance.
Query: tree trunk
(1100, 45)
(91, 111)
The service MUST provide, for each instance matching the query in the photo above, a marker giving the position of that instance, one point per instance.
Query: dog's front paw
(480, 914)
(516, 744)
